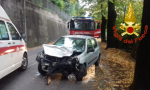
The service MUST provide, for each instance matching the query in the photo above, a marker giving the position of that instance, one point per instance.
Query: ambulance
(13, 51)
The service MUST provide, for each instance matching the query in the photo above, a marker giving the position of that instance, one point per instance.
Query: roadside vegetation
(71, 7)
(99, 9)
(121, 56)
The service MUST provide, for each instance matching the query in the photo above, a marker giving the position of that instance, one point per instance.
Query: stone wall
(43, 26)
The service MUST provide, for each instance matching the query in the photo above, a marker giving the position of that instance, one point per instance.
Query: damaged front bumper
(52, 65)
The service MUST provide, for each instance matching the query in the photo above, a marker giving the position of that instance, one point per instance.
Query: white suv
(13, 51)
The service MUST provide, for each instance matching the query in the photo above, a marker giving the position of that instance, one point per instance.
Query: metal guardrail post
(25, 20)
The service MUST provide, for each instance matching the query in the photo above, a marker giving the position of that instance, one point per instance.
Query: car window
(94, 43)
(59, 42)
(89, 45)
(3, 31)
(13, 32)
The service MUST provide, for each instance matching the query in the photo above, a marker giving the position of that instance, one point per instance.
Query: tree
(80, 11)
(111, 22)
(59, 3)
(104, 21)
(68, 6)
(142, 68)
(98, 10)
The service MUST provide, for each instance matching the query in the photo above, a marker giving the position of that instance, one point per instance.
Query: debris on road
(48, 80)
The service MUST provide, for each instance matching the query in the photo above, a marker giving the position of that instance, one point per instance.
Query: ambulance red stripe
(11, 49)
(4, 19)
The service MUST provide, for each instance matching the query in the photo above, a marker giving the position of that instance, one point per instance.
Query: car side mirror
(92, 50)
(72, 25)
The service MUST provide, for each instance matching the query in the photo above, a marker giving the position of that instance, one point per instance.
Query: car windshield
(77, 44)
(85, 25)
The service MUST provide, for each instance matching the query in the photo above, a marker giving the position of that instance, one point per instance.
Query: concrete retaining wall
(43, 26)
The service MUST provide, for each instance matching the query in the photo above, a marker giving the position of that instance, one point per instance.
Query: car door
(17, 43)
(5, 48)
(96, 49)
(89, 56)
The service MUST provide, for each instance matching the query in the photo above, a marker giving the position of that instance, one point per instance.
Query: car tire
(81, 73)
(24, 63)
(40, 69)
(98, 61)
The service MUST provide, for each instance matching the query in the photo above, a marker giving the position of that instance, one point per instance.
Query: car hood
(57, 51)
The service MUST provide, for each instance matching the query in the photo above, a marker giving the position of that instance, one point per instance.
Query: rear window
(3, 31)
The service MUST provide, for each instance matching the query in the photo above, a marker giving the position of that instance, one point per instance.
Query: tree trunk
(103, 29)
(103, 25)
(111, 22)
(142, 68)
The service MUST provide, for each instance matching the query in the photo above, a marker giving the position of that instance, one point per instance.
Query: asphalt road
(32, 80)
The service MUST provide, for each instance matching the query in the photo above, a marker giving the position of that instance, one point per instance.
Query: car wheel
(82, 72)
(40, 69)
(97, 62)
(24, 63)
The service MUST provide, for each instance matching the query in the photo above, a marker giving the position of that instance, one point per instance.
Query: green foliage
(48, 9)
(98, 8)
(71, 7)
(111, 1)
(59, 3)
(80, 11)
(97, 11)
(39, 3)
(121, 12)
